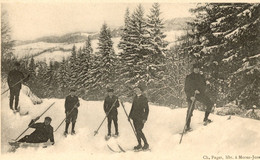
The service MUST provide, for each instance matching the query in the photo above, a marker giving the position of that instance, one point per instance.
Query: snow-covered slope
(237, 136)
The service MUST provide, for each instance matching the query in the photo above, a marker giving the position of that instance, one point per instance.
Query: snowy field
(234, 137)
(56, 51)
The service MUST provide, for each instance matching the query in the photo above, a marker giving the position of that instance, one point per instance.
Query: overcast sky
(34, 20)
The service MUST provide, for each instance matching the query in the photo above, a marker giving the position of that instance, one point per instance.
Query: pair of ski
(15, 145)
(123, 150)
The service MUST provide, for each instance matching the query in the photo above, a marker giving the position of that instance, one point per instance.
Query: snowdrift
(234, 137)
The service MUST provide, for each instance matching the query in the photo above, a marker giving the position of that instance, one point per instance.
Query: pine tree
(102, 73)
(63, 77)
(85, 62)
(135, 46)
(227, 41)
(73, 67)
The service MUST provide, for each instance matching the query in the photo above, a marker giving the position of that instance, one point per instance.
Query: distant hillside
(77, 37)
(177, 24)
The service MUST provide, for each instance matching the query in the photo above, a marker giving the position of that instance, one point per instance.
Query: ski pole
(188, 116)
(96, 132)
(128, 118)
(35, 121)
(14, 85)
(66, 116)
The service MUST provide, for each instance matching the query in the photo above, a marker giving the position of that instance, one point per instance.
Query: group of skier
(195, 86)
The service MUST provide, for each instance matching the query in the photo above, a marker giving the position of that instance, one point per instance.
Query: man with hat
(111, 104)
(14, 80)
(43, 132)
(71, 110)
(139, 114)
(195, 84)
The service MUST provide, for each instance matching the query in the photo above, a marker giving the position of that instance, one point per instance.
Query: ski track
(233, 137)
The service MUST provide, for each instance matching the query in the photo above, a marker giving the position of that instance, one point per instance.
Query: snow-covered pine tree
(135, 48)
(227, 36)
(102, 72)
(73, 67)
(63, 77)
(85, 61)
(157, 49)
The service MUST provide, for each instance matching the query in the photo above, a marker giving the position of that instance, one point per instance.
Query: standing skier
(139, 114)
(195, 84)
(14, 80)
(43, 132)
(111, 101)
(71, 110)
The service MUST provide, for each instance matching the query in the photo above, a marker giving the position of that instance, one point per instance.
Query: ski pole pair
(35, 121)
(188, 116)
(96, 132)
(14, 85)
(75, 106)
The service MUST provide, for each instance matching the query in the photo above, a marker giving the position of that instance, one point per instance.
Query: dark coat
(15, 76)
(140, 108)
(70, 102)
(108, 104)
(42, 133)
(194, 82)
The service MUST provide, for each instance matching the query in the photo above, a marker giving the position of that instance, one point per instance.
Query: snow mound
(26, 98)
(229, 109)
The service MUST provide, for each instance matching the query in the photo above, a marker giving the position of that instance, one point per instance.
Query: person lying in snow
(43, 132)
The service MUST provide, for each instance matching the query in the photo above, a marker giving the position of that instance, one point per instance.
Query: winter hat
(110, 90)
(48, 118)
(141, 88)
(73, 89)
(196, 65)
(17, 64)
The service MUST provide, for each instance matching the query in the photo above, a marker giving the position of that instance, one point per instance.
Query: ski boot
(108, 136)
(188, 129)
(138, 147)
(73, 132)
(65, 133)
(116, 135)
(146, 146)
(206, 121)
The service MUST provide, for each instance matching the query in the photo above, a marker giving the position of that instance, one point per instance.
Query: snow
(56, 51)
(237, 136)
(52, 56)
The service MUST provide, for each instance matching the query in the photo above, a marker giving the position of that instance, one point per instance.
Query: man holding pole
(111, 101)
(71, 110)
(43, 132)
(14, 80)
(195, 86)
(139, 114)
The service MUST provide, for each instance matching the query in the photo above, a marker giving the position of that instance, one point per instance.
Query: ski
(24, 114)
(186, 132)
(113, 149)
(122, 150)
(15, 145)
(142, 150)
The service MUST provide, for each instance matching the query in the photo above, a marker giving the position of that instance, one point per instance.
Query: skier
(71, 110)
(111, 101)
(196, 84)
(14, 80)
(43, 132)
(139, 114)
